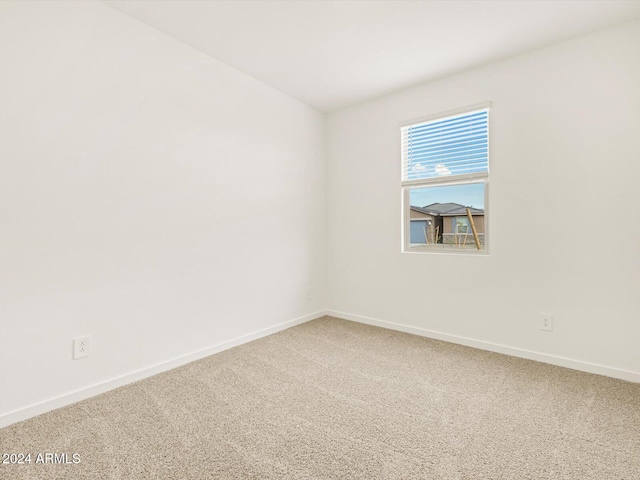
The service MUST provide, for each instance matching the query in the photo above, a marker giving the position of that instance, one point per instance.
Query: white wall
(149, 196)
(565, 224)
(164, 203)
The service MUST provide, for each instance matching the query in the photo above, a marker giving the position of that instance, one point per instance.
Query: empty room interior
(320, 239)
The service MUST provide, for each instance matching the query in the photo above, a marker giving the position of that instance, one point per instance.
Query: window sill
(446, 251)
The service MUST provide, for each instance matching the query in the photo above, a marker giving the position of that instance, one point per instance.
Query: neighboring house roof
(447, 209)
(424, 210)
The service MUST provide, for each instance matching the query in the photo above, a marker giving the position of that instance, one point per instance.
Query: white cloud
(442, 170)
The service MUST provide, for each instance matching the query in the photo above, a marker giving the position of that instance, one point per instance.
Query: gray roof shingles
(447, 209)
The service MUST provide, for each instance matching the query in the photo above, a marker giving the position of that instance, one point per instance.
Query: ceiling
(332, 54)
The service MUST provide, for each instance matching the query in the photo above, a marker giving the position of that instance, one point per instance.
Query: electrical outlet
(546, 322)
(307, 294)
(81, 347)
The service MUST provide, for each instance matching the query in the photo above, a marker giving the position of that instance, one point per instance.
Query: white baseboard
(495, 347)
(39, 408)
(33, 410)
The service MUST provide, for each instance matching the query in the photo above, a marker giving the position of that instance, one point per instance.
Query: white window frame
(464, 179)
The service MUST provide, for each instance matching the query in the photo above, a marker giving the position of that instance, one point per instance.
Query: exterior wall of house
(449, 236)
(449, 224)
(419, 215)
(446, 227)
(479, 221)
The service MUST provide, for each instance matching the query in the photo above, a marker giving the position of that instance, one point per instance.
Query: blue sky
(469, 195)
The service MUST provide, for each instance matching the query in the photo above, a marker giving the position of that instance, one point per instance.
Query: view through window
(445, 176)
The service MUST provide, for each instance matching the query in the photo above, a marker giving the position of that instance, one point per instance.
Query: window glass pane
(462, 225)
(451, 146)
(439, 218)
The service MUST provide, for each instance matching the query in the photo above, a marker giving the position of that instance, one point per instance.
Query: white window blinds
(455, 145)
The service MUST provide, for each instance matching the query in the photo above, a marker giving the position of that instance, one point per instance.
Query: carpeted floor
(332, 399)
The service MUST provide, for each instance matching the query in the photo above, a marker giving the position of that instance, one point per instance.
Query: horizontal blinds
(455, 145)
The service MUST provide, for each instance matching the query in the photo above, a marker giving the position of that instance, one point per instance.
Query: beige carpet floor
(332, 399)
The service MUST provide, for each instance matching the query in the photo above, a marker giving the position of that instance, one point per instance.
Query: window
(462, 225)
(445, 179)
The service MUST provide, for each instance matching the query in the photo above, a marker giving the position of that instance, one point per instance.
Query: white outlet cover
(546, 322)
(81, 347)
